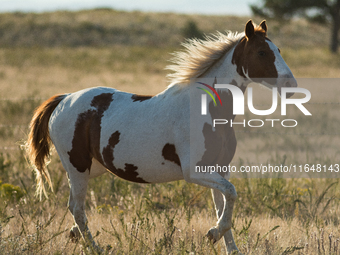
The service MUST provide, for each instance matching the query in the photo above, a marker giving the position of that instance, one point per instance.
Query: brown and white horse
(148, 139)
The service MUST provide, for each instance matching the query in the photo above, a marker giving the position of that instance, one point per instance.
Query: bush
(191, 30)
(10, 192)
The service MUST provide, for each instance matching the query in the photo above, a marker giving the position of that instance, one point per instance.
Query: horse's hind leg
(74, 232)
(219, 206)
(78, 184)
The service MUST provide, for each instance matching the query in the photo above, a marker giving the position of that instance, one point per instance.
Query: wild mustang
(151, 139)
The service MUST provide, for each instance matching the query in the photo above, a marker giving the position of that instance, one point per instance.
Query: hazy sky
(236, 7)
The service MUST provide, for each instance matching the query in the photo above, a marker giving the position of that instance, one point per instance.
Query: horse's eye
(261, 53)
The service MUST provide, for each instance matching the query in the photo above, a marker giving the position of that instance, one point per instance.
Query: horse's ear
(249, 29)
(263, 25)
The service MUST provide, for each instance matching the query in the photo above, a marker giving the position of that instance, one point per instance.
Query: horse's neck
(224, 72)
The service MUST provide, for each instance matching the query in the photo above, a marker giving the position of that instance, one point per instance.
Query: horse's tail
(39, 141)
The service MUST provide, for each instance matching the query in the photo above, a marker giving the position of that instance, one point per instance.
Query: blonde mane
(200, 55)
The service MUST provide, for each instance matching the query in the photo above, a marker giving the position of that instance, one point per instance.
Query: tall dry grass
(272, 216)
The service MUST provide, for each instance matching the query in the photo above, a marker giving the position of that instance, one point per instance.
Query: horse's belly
(137, 157)
(138, 174)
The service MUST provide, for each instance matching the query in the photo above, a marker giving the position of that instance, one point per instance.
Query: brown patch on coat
(86, 138)
(169, 153)
(130, 171)
(140, 98)
(220, 142)
(254, 55)
(108, 150)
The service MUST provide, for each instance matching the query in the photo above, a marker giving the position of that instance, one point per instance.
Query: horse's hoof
(74, 234)
(213, 235)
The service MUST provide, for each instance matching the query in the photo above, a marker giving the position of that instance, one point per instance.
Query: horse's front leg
(219, 206)
(228, 191)
(224, 222)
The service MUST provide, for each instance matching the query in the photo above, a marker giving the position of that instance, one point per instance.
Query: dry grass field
(40, 57)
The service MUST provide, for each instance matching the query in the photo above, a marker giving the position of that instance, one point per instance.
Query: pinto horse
(99, 130)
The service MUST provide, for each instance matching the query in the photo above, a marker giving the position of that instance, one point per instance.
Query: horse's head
(259, 60)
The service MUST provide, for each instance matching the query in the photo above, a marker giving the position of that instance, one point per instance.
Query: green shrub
(191, 30)
(10, 192)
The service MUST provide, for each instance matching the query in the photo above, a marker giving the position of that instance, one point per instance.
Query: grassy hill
(119, 41)
(103, 27)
